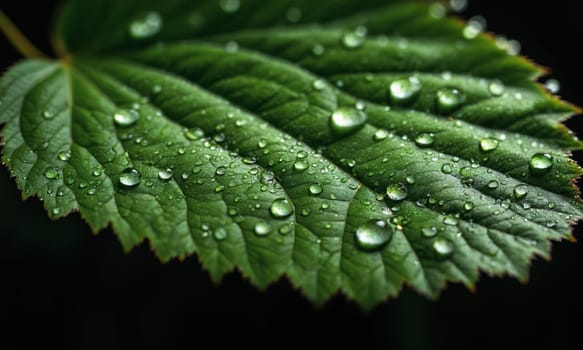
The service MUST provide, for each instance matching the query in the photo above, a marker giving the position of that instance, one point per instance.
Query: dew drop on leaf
(51, 173)
(230, 6)
(520, 191)
(315, 189)
(403, 90)
(397, 192)
(146, 26)
(493, 184)
(165, 174)
(301, 165)
(380, 135)
(540, 163)
(130, 177)
(262, 228)
(425, 139)
(446, 168)
(281, 208)
(126, 117)
(553, 86)
(220, 234)
(443, 247)
(373, 235)
(64, 156)
(488, 144)
(429, 232)
(451, 220)
(468, 206)
(319, 84)
(496, 88)
(352, 40)
(346, 121)
(194, 134)
(449, 99)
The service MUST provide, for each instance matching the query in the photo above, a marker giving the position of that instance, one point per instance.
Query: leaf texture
(278, 137)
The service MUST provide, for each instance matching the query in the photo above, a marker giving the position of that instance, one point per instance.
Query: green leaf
(350, 146)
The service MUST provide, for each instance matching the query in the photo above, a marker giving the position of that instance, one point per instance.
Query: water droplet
(64, 156)
(429, 232)
(443, 247)
(449, 99)
(194, 134)
(146, 26)
(319, 84)
(48, 114)
(551, 223)
(318, 50)
(220, 234)
(315, 189)
(220, 171)
(475, 26)
(540, 163)
(126, 117)
(130, 177)
(165, 174)
(52, 173)
(281, 208)
(373, 235)
(346, 121)
(437, 10)
(468, 206)
(496, 88)
(553, 86)
(410, 180)
(285, 229)
(56, 211)
(262, 228)
(397, 192)
(380, 135)
(301, 165)
(493, 184)
(451, 220)
(425, 139)
(520, 191)
(446, 168)
(403, 90)
(352, 40)
(230, 6)
(458, 5)
(488, 144)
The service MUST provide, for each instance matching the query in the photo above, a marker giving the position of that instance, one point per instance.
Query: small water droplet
(425, 139)
(146, 26)
(373, 235)
(165, 174)
(410, 180)
(493, 184)
(64, 156)
(318, 50)
(48, 114)
(488, 144)
(52, 173)
(449, 99)
(220, 234)
(458, 5)
(380, 135)
(496, 88)
(346, 121)
(429, 232)
(520, 191)
(194, 134)
(451, 220)
(130, 177)
(56, 211)
(397, 192)
(540, 163)
(301, 165)
(220, 171)
(281, 208)
(319, 84)
(553, 86)
(403, 90)
(474, 27)
(315, 189)
(352, 40)
(446, 168)
(262, 228)
(468, 206)
(126, 117)
(443, 247)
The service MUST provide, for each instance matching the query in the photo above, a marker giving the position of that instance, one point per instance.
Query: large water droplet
(397, 192)
(281, 208)
(220, 234)
(488, 144)
(319, 84)
(52, 173)
(301, 165)
(443, 247)
(451, 220)
(130, 177)
(380, 135)
(446, 168)
(475, 26)
(425, 139)
(520, 191)
(373, 235)
(353, 40)
(540, 163)
(262, 228)
(429, 232)
(468, 206)
(553, 86)
(403, 90)
(126, 117)
(315, 189)
(346, 121)
(493, 184)
(449, 99)
(64, 156)
(165, 174)
(146, 26)
(230, 6)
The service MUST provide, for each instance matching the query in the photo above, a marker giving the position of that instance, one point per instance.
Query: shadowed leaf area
(349, 145)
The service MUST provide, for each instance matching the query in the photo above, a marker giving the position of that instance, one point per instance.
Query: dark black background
(62, 286)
